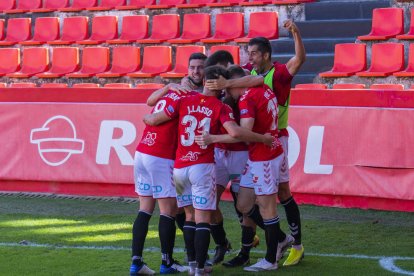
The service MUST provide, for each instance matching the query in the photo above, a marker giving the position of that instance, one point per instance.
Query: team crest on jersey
(170, 109)
(149, 139)
(243, 111)
(191, 156)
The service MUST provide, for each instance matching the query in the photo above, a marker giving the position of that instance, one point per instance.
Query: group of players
(219, 125)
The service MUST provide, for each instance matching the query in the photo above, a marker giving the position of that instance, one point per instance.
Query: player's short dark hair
(214, 72)
(197, 55)
(220, 57)
(263, 45)
(236, 71)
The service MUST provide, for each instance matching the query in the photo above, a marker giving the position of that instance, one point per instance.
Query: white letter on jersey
(106, 142)
(314, 152)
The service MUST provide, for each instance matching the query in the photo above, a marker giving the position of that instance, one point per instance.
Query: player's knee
(243, 206)
(284, 191)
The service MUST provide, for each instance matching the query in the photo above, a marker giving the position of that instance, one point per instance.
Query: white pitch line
(386, 262)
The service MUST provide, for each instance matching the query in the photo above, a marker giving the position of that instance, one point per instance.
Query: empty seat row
(157, 60)
(165, 27)
(9, 6)
(375, 86)
(386, 59)
(82, 85)
(389, 23)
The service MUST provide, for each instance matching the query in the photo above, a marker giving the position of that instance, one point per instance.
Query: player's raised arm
(294, 64)
(246, 81)
(246, 135)
(158, 94)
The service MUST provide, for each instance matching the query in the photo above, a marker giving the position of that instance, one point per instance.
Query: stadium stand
(229, 26)
(165, 4)
(136, 4)
(386, 23)
(226, 3)
(107, 5)
(6, 5)
(2, 33)
(387, 58)
(10, 60)
(311, 86)
(65, 60)
(103, 28)
(35, 60)
(46, 29)
(52, 5)
(54, 85)
(196, 26)
(118, 85)
(409, 71)
(18, 30)
(195, 4)
(124, 60)
(349, 86)
(86, 85)
(79, 5)
(156, 60)
(410, 34)
(349, 59)
(134, 27)
(164, 27)
(263, 24)
(149, 86)
(183, 54)
(74, 29)
(387, 86)
(25, 6)
(95, 60)
(3, 85)
(234, 51)
(23, 85)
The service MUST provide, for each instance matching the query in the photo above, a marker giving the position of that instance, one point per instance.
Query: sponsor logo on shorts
(255, 179)
(190, 156)
(149, 139)
(144, 187)
(199, 200)
(156, 189)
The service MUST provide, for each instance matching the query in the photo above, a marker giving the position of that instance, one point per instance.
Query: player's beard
(198, 84)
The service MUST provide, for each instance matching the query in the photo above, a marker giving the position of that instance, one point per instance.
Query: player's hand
(268, 139)
(179, 89)
(204, 140)
(290, 26)
(218, 84)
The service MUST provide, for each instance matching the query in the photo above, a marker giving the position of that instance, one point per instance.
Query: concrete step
(343, 9)
(302, 78)
(314, 63)
(334, 28)
(312, 45)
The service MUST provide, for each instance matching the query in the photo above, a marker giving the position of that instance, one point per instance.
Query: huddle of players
(194, 144)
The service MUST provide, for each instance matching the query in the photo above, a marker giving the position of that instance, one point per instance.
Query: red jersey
(282, 81)
(242, 146)
(260, 104)
(197, 114)
(161, 141)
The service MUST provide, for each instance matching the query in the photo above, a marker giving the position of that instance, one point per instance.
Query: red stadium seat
(85, 85)
(65, 60)
(256, 3)
(182, 56)
(229, 26)
(124, 60)
(25, 6)
(226, 3)
(349, 59)
(35, 60)
(387, 86)
(7, 5)
(136, 4)
(156, 60)
(409, 71)
(165, 4)
(234, 51)
(74, 29)
(191, 4)
(2, 21)
(3, 85)
(134, 27)
(263, 24)
(386, 23)
(164, 27)
(54, 85)
(349, 86)
(103, 28)
(95, 60)
(22, 85)
(118, 85)
(10, 60)
(196, 26)
(311, 86)
(107, 5)
(46, 29)
(52, 5)
(79, 5)
(153, 86)
(386, 58)
(18, 30)
(410, 34)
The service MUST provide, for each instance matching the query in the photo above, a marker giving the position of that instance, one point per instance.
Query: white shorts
(284, 168)
(262, 176)
(229, 166)
(195, 186)
(153, 176)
